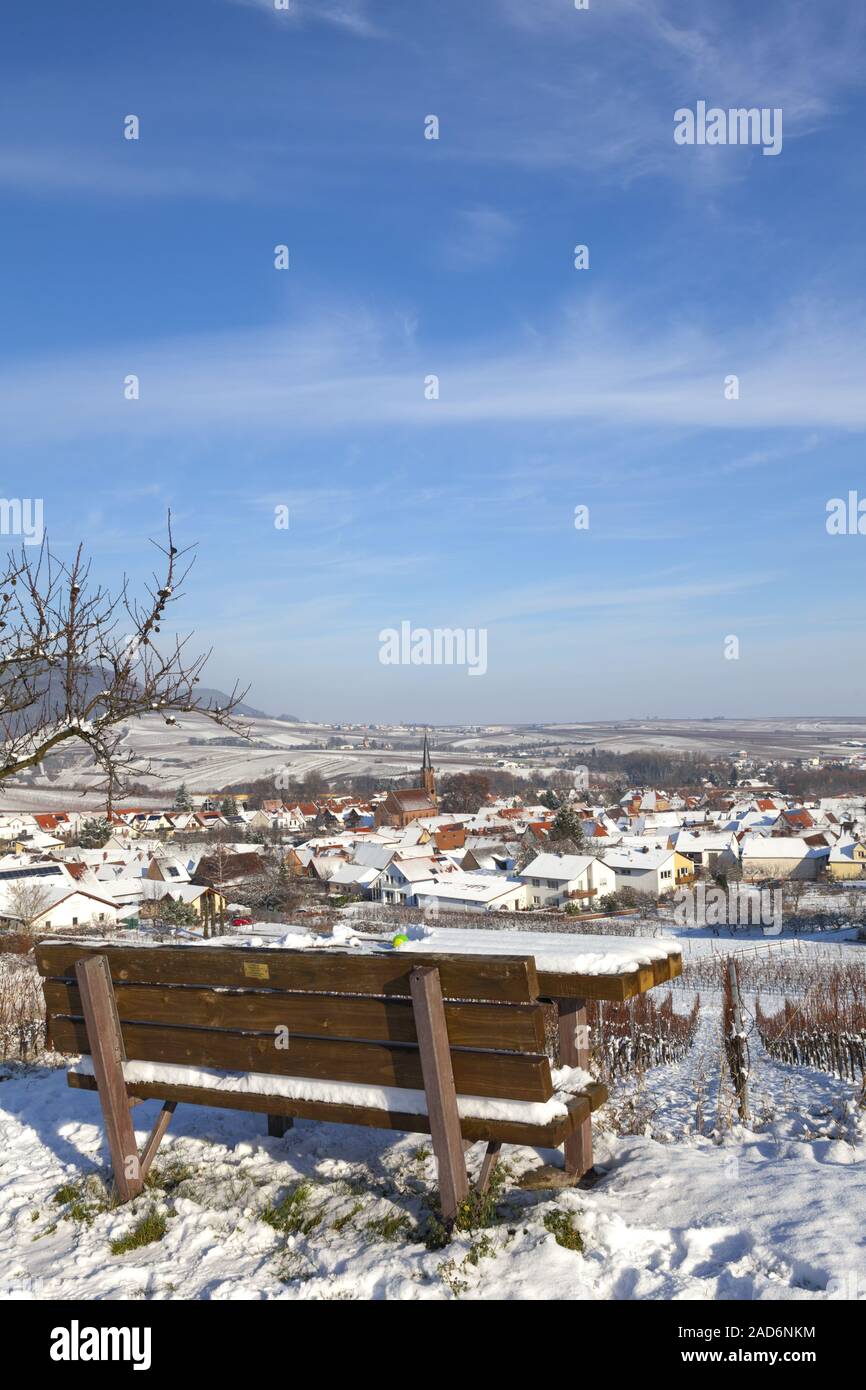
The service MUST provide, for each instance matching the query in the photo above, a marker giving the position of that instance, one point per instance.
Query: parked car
(241, 921)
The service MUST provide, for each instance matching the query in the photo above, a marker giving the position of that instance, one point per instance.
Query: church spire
(428, 777)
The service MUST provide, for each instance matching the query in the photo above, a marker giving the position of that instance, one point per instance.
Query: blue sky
(410, 257)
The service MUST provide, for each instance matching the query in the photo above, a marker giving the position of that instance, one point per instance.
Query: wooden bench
(446, 1035)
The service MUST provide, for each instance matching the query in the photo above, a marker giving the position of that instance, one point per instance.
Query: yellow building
(847, 860)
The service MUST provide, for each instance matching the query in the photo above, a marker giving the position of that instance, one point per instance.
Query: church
(399, 809)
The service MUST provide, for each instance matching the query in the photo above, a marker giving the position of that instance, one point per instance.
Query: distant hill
(206, 696)
(219, 697)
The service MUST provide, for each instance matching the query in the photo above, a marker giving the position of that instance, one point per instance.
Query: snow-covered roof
(478, 888)
(702, 841)
(646, 859)
(778, 847)
(562, 867)
(843, 851)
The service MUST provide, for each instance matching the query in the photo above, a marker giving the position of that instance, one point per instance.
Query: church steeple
(428, 777)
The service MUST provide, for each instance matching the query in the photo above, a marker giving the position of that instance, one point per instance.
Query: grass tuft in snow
(167, 1177)
(292, 1214)
(294, 1266)
(479, 1211)
(147, 1229)
(390, 1226)
(561, 1227)
(84, 1200)
(453, 1272)
(343, 1221)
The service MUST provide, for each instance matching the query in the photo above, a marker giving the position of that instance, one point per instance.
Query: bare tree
(24, 902)
(77, 661)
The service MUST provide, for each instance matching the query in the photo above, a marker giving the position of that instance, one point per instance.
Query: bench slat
(614, 987)
(503, 1075)
(549, 1135)
(516, 1028)
(500, 979)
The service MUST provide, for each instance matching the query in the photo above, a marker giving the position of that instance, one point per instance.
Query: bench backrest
(343, 1016)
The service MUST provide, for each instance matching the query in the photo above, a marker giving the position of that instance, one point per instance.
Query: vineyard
(783, 968)
(824, 1028)
(22, 1011)
(638, 1034)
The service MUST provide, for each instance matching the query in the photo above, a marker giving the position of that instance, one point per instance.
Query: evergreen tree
(94, 833)
(567, 826)
(182, 800)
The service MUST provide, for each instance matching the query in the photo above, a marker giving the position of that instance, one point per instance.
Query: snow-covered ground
(689, 1206)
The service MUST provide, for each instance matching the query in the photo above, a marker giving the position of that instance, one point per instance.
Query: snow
(769, 1214)
(692, 1205)
(557, 952)
(566, 1081)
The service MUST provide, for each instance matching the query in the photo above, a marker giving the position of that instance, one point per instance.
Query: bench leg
(155, 1138)
(489, 1162)
(106, 1047)
(574, 1052)
(439, 1089)
(278, 1124)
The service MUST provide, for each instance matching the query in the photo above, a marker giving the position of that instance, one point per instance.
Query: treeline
(645, 767)
(823, 781)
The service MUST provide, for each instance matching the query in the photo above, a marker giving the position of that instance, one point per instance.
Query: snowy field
(691, 1204)
(770, 1213)
(206, 757)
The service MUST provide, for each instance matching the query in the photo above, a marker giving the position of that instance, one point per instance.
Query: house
(215, 870)
(57, 908)
(703, 847)
(795, 822)
(651, 871)
(495, 859)
(477, 892)
(401, 881)
(204, 901)
(847, 859)
(168, 870)
(780, 856)
(553, 880)
(339, 875)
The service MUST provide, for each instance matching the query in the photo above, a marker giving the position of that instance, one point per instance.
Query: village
(208, 862)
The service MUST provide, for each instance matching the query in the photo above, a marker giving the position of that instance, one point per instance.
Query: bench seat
(537, 1124)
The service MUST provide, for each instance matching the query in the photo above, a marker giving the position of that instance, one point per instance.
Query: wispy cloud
(481, 237)
(353, 16)
(599, 87)
(81, 170)
(343, 371)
